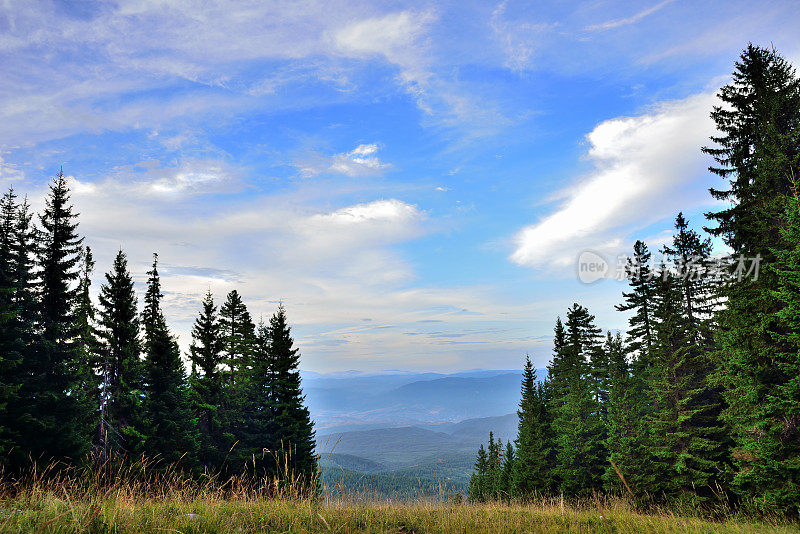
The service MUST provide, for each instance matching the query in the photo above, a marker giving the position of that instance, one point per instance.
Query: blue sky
(414, 180)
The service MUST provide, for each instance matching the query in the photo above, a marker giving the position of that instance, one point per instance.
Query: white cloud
(333, 268)
(644, 167)
(361, 161)
(10, 172)
(378, 211)
(519, 38)
(398, 37)
(633, 19)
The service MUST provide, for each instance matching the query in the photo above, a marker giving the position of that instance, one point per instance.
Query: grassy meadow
(143, 497)
(51, 512)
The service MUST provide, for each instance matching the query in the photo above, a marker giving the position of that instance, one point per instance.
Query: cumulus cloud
(361, 161)
(644, 169)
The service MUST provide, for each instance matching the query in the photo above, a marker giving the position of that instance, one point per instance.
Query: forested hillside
(698, 403)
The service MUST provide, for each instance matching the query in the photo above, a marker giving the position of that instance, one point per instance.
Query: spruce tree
(119, 331)
(577, 422)
(690, 255)
(172, 434)
(237, 333)
(639, 301)
(208, 395)
(11, 348)
(88, 347)
(294, 431)
(507, 475)
(57, 421)
(688, 446)
(257, 435)
(478, 479)
(627, 437)
(756, 152)
(530, 476)
(782, 464)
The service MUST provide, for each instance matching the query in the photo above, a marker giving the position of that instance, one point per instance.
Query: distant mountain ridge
(370, 401)
(400, 427)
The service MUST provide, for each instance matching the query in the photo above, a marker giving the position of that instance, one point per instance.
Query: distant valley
(398, 432)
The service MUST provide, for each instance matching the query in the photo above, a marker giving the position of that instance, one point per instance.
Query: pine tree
(172, 434)
(687, 445)
(639, 301)
(11, 348)
(208, 394)
(294, 431)
(478, 479)
(257, 434)
(782, 463)
(507, 475)
(756, 151)
(57, 421)
(530, 475)
(88, 347)
(577, 422)
(627, 439)
(690, 255)
(119, 322)
(237, 333)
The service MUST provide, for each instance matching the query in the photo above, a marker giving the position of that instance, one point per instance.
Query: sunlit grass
(137, 498)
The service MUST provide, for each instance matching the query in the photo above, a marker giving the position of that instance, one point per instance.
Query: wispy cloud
(361, 161)
(633, 19)
(519, 38)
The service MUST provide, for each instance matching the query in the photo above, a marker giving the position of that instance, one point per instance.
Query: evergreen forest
(697, 404)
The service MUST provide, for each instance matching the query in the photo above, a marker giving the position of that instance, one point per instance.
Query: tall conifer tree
(577, 422)
(756, 151)
(257, 435)
(119, 322)
(294, 431)
(208, 393)
(172, 434)
(530, 476)
(57, 421)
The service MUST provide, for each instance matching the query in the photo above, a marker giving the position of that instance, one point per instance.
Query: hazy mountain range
(413, 425)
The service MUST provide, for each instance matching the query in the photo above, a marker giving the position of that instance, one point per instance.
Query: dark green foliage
(576, 412)
(478, 481)
(11, 344)
(172, 434)
(55, 420)
(208, 395)
(530, 469)
(293, 434)
(258, 428)
(639, 301)
(757, 152)
(119, 332)
(71, 376)
(780, 444)
(506, 484)
(690, 257)
(627, 437)
(237, 336)
(88, 345)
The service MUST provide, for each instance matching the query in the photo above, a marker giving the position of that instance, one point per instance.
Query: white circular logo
(591, 267)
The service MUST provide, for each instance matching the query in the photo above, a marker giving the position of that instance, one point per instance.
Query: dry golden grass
(50, 512)
(136, 498)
